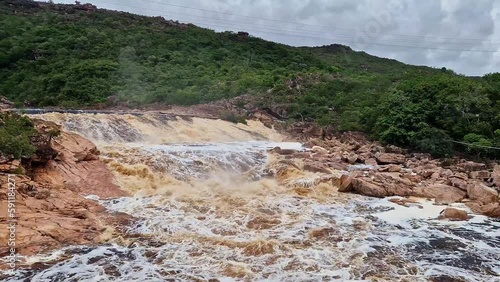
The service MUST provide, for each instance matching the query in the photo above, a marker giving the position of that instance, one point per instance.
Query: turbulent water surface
(208, 210)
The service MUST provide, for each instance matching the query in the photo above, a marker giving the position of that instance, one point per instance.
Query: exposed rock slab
(76, 166)
(442, 193)
(49, 218)
(390, 158)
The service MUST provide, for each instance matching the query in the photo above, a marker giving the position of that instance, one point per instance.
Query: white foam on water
(205, 243)
(401, 215)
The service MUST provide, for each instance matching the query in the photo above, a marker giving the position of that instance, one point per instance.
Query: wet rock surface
(49, 208)
(48, 218)
(379, 171)
(453, 214)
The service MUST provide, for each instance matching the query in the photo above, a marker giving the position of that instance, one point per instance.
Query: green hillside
(77, 56)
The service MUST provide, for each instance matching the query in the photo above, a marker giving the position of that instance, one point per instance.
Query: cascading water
(208, 211)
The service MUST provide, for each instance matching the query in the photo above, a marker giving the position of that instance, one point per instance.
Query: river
(209, 208)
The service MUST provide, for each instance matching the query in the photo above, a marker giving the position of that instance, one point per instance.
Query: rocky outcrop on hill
(49, 208)
(5, 103)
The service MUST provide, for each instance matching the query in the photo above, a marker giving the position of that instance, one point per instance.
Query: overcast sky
(463, 35)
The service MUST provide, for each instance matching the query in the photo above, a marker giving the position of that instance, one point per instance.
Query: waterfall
(213, 204)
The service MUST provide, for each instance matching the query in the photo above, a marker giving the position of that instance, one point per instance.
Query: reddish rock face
(7, 165)
(76, 166)
(78, 169)
(49, 218)
(50, 211)
(453, 214)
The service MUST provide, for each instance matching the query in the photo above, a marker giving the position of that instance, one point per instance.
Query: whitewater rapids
(210, 207)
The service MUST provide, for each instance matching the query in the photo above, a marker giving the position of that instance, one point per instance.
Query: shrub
(15, 135)
(232, 117)
(433, 141)
(478, 143)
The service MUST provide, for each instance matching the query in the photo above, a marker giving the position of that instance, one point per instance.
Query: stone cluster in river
(378, 171)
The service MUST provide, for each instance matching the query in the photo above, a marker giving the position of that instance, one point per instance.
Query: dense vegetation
(15, 135)
(60, 55)
(75, 56)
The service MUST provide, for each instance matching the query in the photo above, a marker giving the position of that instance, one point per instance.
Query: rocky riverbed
(155, 198)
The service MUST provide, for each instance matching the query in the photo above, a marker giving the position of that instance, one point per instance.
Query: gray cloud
(439, 33)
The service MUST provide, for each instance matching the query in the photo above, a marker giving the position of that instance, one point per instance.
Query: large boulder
(481, 193)
(442, 193)
(390, 158)
(365, 187)
(371, 161)
(453, 214)
(492, 209)
(470, 166)
(345, 183)
(482, 174)
(352, 158)
(376, 184)
(459, 183)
